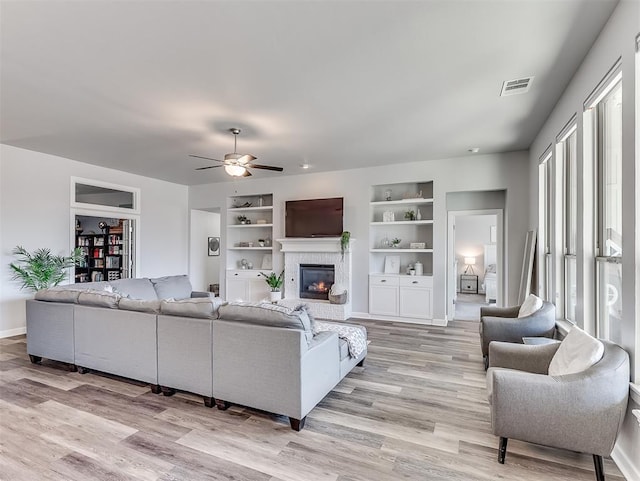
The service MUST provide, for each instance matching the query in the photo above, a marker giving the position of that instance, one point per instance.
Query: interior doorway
(475, 274)
(205, 249)
(108, 248)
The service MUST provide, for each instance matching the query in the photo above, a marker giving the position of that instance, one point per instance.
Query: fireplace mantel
(313, 244)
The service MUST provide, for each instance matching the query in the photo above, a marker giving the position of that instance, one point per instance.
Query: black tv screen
(314, 218)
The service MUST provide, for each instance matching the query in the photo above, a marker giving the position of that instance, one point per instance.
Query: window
(567, 158)
(606, 115)
(104, 196)
(544, 226)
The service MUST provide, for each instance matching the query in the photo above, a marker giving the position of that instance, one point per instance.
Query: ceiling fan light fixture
(235, 170)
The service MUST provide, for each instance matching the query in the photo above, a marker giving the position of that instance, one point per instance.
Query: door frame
(451, 275)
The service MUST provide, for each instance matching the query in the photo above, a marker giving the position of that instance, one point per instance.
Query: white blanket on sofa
(356, 336)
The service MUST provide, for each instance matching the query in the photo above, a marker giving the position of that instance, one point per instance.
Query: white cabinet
(383, 295)
(246, 285)
(401, 296)
(250, 231)
(416, 297)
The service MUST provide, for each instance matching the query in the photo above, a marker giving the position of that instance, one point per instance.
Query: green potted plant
(395, 242)
(410, 215)
(41, 269)
(274, 282)
(242, 219)
(345, 237)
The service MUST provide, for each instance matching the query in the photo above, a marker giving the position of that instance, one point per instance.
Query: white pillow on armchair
(530, 305)
(578, 351)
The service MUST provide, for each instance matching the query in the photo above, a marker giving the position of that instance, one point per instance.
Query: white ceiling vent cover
(517, 86)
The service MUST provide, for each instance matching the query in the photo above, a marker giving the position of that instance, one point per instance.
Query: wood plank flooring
(417, 410)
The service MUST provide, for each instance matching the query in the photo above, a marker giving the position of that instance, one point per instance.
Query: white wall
(617, 40)
(472, 233)
(35, 212)
(203, 269)
(507, 171)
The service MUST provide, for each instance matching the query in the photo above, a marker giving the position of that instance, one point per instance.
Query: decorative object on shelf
(213, 246)
(413, 196)
(419, 268)
(267, 242)
(78, 227)
(267, 262)
(261, 242)
(388, 216)
(261, 221)
(409, 268)
(417, 245)
(469, 262)
(418, 214)
(41, 269)
(387, 194)
(337, 294)
(235, 164)
(275, 284)
(392, 265)
(412, 272)
(410, 215)
(244, 264)
(104, 227)
(242, 219)
(344, 242)
(384, 243)
(395, 242)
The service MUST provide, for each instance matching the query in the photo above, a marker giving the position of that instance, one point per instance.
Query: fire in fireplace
(316, 280)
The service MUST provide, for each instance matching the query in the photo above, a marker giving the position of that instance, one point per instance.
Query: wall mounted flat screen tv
(314, 217)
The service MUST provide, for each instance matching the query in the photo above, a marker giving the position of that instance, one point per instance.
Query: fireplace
(316, 280)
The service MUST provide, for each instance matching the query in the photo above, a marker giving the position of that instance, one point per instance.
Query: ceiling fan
(235, 164)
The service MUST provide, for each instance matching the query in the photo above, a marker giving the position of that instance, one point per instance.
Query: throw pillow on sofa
(172, 287)
(267, 314)
(99, 299)
(530, 305)
(135, 288)
(140, 305)
(54, 294)
(201, 307)
(577, 352)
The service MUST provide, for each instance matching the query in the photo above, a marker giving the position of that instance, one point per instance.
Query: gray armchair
(581, 412)
(503, 324)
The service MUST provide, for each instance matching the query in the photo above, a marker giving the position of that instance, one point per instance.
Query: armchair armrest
(492, 311)
(528, 358)
(513, 329)
(579, 412)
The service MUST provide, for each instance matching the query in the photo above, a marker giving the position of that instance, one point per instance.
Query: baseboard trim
(13, 332)
(408, 320)
(624, 463)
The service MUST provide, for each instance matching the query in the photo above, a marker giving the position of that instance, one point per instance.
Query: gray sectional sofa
(160, 332)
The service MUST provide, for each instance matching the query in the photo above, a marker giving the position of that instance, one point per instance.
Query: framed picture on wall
(213, 246)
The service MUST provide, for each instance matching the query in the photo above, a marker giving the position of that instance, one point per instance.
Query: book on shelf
(97, 253)
(97, 276)
(113, 262)
(98, 241)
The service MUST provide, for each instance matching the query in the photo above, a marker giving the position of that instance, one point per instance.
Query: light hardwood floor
(417, 410)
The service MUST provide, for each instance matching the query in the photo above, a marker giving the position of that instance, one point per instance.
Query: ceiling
(139, 85)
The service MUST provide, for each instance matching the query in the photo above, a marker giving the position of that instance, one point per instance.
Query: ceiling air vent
(517, 86)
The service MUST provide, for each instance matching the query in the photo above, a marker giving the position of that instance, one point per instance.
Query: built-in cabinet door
(416, 302)
(237, 289)
(383, 300)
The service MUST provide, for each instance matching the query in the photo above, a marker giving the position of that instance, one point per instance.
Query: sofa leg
(502, 450)
(485, 359)
(155, 389)
(82, 370)
(35, 359)
(73, 368)
(361, 363)
(209, 401)
(597, 461)
(222, 405)
(167, 391)
(297, 424)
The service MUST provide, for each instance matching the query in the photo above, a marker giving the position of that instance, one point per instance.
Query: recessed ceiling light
(304, 166)
(474, 150)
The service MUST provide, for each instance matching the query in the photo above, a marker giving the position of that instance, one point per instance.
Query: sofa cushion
(530, 305)
(99, 299)
(140, 305)
(140, 288)
(268, 314)
(578, 351)
(172, 287)
(84, 286)
(55, 294)
(202, 307)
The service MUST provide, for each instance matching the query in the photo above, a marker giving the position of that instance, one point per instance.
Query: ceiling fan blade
(209, 167)
(265, 167)
(246, 173)
(245, 158)
(206, 158)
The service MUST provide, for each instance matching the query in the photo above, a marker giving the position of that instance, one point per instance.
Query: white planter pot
(275, 296)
